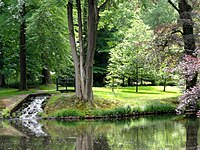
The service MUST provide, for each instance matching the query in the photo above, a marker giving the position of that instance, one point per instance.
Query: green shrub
(126, 109)
(158, 107)
(6, 113)
(68, 113)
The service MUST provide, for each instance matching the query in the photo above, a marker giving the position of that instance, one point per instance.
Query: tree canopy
(95, 41)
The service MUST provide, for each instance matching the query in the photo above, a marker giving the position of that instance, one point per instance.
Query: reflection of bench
(65, 82)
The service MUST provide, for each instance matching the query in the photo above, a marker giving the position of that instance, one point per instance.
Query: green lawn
(10, 92)
(122, 100)
(149, 98)
(145, 94)
(125, 94)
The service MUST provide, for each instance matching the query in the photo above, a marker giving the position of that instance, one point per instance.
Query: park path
(11, 101)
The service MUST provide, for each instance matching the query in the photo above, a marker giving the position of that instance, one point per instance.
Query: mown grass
(124, 100)
(11, 92)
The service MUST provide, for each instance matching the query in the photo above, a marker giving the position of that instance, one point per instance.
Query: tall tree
(48, 46)
(22, 13)
(185, 14)
(83, 63)
(2, 76)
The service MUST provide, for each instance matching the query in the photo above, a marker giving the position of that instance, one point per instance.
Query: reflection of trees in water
(84, 142)
(88, 142)
(192, 127)
(88, 138)
(138, 134)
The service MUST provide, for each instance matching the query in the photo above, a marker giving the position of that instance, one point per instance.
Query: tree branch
(173, 5)
(103, 5)
(176, 31)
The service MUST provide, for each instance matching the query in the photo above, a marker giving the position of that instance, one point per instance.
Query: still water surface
(150, 133)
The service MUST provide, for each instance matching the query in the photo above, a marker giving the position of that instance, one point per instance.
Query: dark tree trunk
(137, 77)
(185, 11)
(2, 77)
(192, 127)
(165, 84)
(2, 80)
(46, 76)
(123, 81)
(23, 84)
(129, 81)
(92, 30)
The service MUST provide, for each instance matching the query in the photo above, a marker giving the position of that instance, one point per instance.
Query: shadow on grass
(141, 92)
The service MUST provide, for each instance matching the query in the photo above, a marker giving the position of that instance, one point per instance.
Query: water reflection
(141, 134)
(192, 127)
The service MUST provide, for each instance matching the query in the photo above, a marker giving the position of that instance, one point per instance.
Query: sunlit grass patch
(128, 94)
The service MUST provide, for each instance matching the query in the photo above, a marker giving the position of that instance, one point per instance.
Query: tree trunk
(192, 127)
(92, 30)
(137, 77)
(73, 50)
(46, 76)
(84, 142)
(84, 63)
(129, 81)
(2, 80)
(23, 84)
(2, 77)
(165, 84)
(185, 11)
(82, 53)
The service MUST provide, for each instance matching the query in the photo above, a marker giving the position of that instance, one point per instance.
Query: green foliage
(122, 110)
(153, 106)
(9, 40)
(156, 106)
(6, 113)
(47, 34)
(129, 55)
(47, 39)
(68, 113)
(158, 13)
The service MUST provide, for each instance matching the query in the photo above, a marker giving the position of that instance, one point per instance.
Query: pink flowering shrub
(189, 99)
(188, 67)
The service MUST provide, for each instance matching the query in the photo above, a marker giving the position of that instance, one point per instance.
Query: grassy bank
(122, 101)
(10, 96)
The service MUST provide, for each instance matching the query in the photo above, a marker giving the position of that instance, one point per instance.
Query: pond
(149, 133)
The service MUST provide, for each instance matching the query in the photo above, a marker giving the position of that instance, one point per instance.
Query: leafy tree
(158, 13)
(185, 13)
(48, 44)
(22, 36)
(129, 55)
(188, 13)
(8, 35)
(106, 40)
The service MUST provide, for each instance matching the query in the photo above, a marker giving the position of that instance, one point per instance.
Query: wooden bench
(65, 82)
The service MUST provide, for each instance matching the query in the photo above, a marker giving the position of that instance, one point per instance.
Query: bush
(68, 113)
(158, 107)
(126, 109)
(6, 113)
